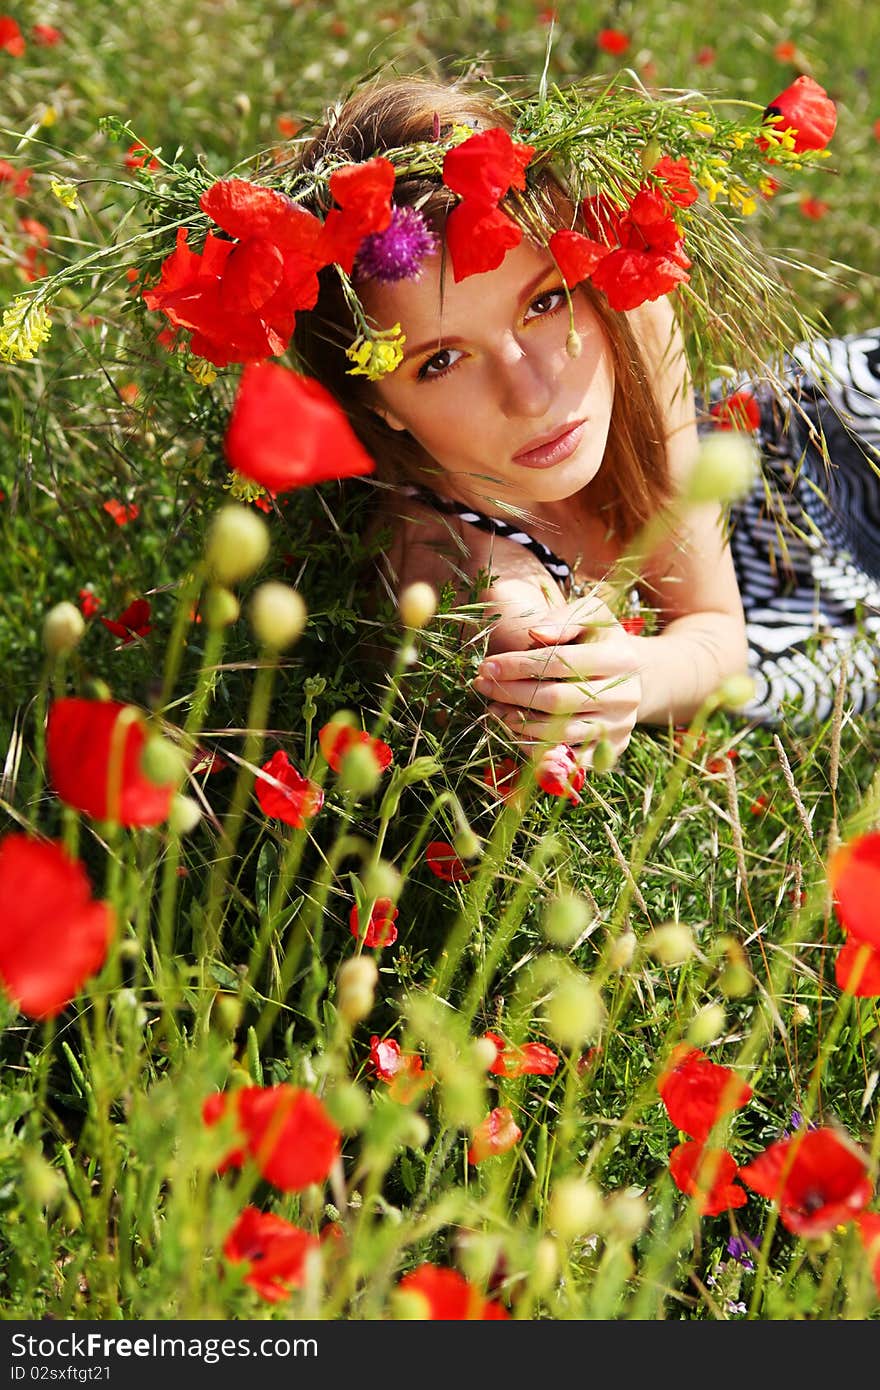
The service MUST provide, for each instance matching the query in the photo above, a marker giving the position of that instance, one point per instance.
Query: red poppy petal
(478, 237)
(857, 970)
(577, 256)
(93, 749)
(252, 275)
(259, 442)
(53, 935)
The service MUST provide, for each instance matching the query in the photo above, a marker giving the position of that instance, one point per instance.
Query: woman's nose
(526, 380)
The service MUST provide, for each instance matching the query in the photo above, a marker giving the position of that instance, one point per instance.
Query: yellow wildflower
(244, 489)
(738, 139)
(65, 193)
(25, 327)
(713, 185)
(201, 371)
(376, 356)
(49, 117)
(702, 127)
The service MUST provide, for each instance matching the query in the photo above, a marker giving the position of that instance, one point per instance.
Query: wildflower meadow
(319, 1001)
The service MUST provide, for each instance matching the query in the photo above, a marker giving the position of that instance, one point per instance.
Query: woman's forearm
(684, 663)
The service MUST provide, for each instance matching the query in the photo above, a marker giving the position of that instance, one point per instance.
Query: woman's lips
(555, 450)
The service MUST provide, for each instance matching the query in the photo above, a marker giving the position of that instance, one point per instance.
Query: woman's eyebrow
(437, 344)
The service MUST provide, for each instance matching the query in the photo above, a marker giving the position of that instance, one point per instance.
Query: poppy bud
(220, 607)
(63, 626)
(356, 981)
(573, 345)
(726, 468)
(736, 691)
(707, 1025)
(466, 844)
(415, 1132)
(278, 615)
(545, 1264)
(650, 154)
(226, 1012)
(238, 543)
(735, 981)
(163, 762)
(620, 950)
(184, 815)
(360, 772)
(417, 605)
(348, 1107)
(484, 1053)
(381, 880)
(626, 1214)
(43, 1185)
(603, 756)
(565, 918)
(671, 943)
(575, 1012)
(576, 1208)
(242, 103)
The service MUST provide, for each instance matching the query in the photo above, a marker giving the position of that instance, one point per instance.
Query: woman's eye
(547, 302)
(435, 366)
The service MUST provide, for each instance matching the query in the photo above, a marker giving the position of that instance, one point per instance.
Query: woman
(529, 446)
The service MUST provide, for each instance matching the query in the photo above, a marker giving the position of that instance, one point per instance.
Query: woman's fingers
(576, 661)
(549, 697)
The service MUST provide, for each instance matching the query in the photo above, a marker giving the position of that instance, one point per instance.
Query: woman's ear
(391, 420)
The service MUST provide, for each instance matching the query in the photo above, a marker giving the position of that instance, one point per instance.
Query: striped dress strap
(551, 561)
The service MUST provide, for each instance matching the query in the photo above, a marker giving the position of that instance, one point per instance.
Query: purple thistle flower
(398, 252)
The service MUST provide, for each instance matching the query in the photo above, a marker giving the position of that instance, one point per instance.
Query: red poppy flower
(11, 37)
(53, 934)
(740, 411)
(121, 513)
(46, 35)
(675, 174)
(259, 442)
(207, 762)
(501, 777)
(274, 1249)
(705, 56)
(138, 155)
(759, 806)
(487, 164)
(854, 879)
(240, 298)
(560, 774)
(94, 749)
(363, 192)
(806, 109)
(448, 1297)
(635, 624)
(481, 170)
(337, 738)
(869, 1230)
(36, 230)
(650, 260)
(532, 1059)
(785, 52)
(89, 603)
(857, 970)
(697, 1092)
(404, 1072)
(612, 41)
(814, 208)
(444, 863)
(19, 179)
(133, 622)
(707, 1176)
(717, 764)
(380, 930)
(577, 256)
(818, 1177)
(478, 237)
(284, 1129)
(494, 1135)
(296, 800)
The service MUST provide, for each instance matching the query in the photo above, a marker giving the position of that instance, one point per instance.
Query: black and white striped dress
(805, 542)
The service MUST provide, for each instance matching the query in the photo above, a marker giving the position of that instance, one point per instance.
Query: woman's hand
(582, 685)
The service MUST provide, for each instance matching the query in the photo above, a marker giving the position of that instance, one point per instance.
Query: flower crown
(648, 175)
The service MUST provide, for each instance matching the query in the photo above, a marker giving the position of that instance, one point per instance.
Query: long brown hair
(633, 482)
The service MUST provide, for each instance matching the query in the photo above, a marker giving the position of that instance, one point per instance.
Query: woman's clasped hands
(579, 684)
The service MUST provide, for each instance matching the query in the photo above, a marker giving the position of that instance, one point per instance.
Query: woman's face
(486, 386)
